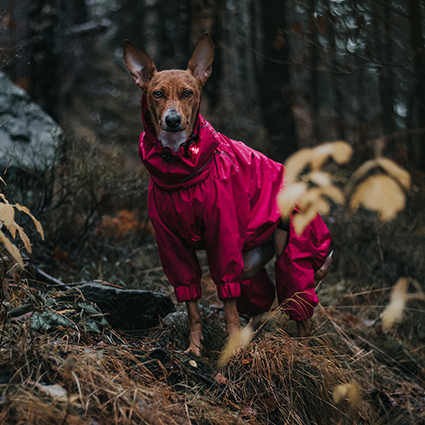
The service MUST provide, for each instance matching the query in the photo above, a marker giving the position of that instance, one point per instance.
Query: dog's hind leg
(255, 260)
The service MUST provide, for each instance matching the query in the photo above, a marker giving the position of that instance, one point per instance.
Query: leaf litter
(70, 371)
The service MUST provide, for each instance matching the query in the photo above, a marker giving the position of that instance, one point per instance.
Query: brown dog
(173, 99)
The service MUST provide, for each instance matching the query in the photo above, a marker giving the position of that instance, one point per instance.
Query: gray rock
(175, 318)
(27, 133)
(128, 309)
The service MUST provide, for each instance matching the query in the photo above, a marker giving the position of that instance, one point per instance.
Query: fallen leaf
(55, 391)
(221, 379)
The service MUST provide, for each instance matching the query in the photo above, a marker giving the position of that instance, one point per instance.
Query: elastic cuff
(228, 290)
(188, 293)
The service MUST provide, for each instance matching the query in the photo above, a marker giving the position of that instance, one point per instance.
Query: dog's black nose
(173, 120)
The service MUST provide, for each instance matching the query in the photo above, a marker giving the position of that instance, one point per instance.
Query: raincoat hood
(183, 171)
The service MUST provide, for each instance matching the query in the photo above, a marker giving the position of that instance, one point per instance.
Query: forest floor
(80, 371)
(61, 363)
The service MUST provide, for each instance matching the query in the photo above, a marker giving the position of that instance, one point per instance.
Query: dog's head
(173, 96)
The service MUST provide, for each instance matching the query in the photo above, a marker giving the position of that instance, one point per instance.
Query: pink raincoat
(223, 200)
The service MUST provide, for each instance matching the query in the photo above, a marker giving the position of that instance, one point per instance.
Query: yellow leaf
(7, 214)
(340, 392)
(398, 173)
(319, 155)
(322, 206)
(13, 251)
(354, 394)
(13, 228)
(341, 152)
(295, 164)
(38, 225)
(350, 391)
(302, 219)
(238, 340)
(333, 193)
(379, 193)
(359, 174)
(288, 198)
(320, 178)
(193, 363)
(398, 298)
(25, 239)
(310, 197)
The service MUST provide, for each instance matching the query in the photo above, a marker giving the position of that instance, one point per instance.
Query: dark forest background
(287, 74)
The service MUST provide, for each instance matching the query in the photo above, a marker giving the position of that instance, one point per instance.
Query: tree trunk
(383, 46)
(337, 95)
(45, 81)
(274, 81)
(314, 77)
(416, 113)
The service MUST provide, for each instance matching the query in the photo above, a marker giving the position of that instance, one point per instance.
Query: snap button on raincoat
(222, 200)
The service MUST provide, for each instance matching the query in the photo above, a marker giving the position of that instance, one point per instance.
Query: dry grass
(284, 382)
(103, 378)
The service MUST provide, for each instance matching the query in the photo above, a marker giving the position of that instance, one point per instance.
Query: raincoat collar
(180, 170)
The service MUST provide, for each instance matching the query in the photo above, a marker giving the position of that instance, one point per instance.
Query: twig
(55, 281)
(58, 284)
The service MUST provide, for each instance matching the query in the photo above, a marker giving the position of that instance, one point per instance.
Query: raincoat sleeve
(179, 262)
(227, 213)
(295, 268)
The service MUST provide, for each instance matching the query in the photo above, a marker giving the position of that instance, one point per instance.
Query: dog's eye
(188, 93)
(158, 94)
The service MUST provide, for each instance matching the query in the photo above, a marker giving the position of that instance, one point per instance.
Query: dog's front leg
(231, 316)
(195, 328)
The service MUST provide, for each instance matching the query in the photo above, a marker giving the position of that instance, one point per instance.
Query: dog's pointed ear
(139, 64)
(200, 63)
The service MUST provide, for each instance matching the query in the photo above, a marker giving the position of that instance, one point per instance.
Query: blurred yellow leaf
(322, 206)
(333, 193)
(295, 164)
(238, 340)
(358, 175)
(320, 178)
(340, 392)
(398, 298)
(301, 219)
(288, 198)
(350, 391)
(319, 155)
(398, 173)
(354, 394)
(341, 152)
(379, 193)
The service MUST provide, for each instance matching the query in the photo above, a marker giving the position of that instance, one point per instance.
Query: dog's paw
(194, 349)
